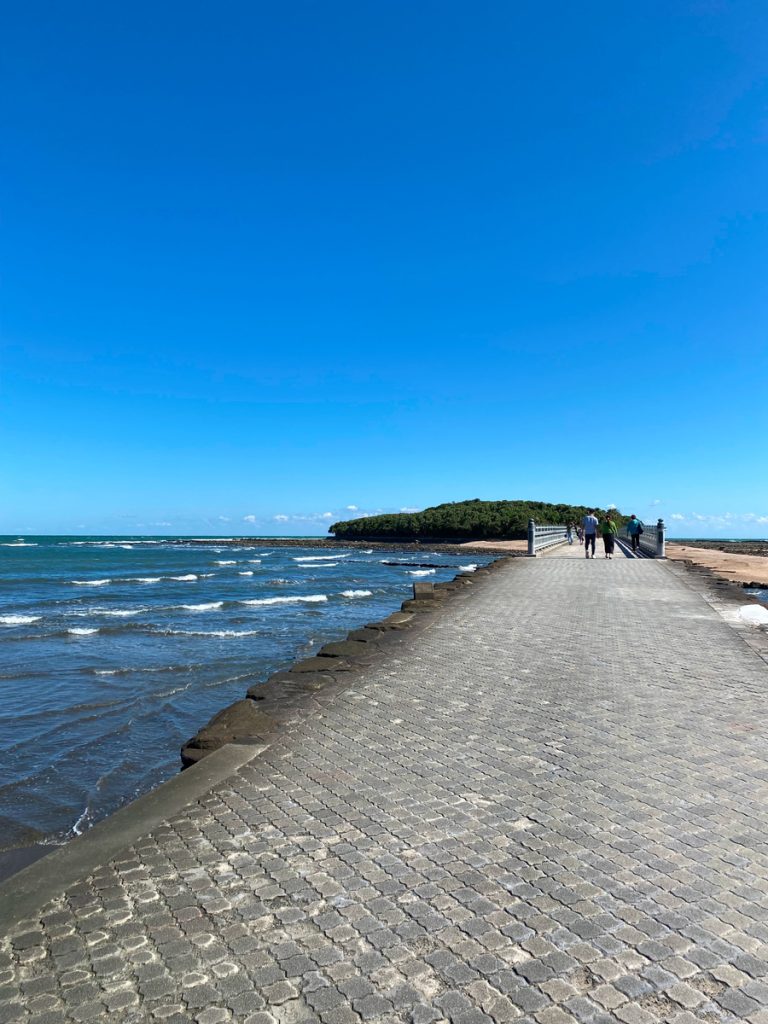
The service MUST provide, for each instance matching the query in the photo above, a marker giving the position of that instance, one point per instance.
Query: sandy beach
(736, 567)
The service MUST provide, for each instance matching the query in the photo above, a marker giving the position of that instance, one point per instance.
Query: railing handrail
(545, 536)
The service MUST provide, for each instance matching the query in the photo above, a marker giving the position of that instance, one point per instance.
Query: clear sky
(264, 262)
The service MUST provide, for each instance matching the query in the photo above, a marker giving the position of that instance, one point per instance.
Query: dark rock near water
(346, 649)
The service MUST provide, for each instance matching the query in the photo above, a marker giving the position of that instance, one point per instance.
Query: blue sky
(266, 262)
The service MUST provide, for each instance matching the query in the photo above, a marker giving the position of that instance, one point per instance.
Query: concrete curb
(24, 893)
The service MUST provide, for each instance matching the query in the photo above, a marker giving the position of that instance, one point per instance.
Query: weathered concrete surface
(551, 806)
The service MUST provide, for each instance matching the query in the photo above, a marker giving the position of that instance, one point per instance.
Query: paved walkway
(553, 810)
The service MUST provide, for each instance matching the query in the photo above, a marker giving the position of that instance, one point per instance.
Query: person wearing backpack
(634, 529)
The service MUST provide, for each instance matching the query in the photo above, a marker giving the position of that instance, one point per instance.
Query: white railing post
(531, 537)
(661, 549)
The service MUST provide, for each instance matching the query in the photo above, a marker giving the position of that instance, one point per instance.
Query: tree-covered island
(464, 520)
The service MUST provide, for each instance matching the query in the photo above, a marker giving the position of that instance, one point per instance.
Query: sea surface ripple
(113, 651)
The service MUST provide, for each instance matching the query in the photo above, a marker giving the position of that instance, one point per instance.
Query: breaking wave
(18, 620)
(308, 599)
(357, 593)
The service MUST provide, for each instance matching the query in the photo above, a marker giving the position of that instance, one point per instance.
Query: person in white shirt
(590, 524)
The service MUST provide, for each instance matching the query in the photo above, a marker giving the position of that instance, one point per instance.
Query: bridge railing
(653, 539)
(540, 537)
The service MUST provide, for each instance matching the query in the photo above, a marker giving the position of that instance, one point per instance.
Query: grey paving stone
(508, 782)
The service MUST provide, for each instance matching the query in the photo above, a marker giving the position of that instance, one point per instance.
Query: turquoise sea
(114, 650)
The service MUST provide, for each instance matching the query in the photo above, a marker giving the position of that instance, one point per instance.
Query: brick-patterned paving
(548, 806)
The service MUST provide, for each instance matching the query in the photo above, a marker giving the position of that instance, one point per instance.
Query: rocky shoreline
(734, 547)
(283, 698)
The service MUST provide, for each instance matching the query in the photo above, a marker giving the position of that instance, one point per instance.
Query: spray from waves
(357, 593)
(421, 572)
(468, 568)
(18, 620)
(209, 607)
(307, 599)
(319, 558)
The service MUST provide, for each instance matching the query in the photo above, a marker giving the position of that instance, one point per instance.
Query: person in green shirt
(609, 530)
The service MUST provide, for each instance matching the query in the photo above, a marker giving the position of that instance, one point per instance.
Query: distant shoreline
(457, 547)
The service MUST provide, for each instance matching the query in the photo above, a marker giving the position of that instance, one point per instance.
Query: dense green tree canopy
(464, 520)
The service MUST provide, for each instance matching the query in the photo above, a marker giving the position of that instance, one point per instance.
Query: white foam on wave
(209, 607)
(307, 599)
(118, 613)
(357, 593)
(91, 583)
(214, 632)
(82, 632)
(189, 578)
(421, 572)
(368, 551)
(18, 620)
(229, 561)
(319, 558)
(126, 547)
(144, 579)
(319, 565)
(254, 561)
(245, 572)
(105, 671)
(468, 568)
(17, 544)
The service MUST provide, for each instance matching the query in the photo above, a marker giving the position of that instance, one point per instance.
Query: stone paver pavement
(552, 810)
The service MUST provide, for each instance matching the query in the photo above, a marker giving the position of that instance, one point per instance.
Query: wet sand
(738, 568)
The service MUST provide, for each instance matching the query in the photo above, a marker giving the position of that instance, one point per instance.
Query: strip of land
(749, 569)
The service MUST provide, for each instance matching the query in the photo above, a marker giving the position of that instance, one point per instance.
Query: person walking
(589, 525)
(609, 530)
(634, 529)
(569, 533)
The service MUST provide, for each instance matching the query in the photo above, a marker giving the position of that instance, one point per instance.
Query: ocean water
(113, 651)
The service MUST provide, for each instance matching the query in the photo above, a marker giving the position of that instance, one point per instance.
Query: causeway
(548, 804)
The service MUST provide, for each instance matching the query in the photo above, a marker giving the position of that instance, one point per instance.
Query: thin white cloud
(410, 510)
(656, 501)
(352, 508)
(248, 519)
(676, 515)
(223, 519)
(281, 518)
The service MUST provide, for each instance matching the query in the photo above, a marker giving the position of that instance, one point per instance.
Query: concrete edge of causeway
(29, 889)
(25, 892)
